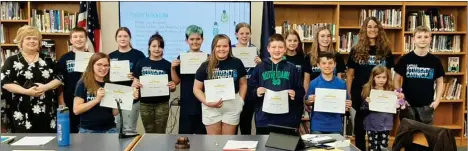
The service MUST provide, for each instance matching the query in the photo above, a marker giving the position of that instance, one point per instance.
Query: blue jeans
(112, 130)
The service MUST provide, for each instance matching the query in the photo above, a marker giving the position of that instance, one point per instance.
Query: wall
(110, 23)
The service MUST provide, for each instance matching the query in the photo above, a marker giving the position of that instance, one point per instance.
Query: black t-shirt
(133, 56)
(65, 67)
(189, 104)
(362, 71)
(314, 70)
(419, 74)
(299, 61)
(230, 68)
(96, 118)
(150, 67)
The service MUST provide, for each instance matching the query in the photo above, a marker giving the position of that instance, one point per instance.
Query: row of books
(2, 34)
(306, 32)
(439, 43)
(347, 41)
(54, 21)
(432, 19)
(452, 89)
(388, 17)
(11, 11)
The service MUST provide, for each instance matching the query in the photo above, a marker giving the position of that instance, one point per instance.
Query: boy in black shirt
(419, 69)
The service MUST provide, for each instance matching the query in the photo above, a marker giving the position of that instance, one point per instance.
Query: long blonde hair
(213, 61)
(381, 42)
(313, 53)
(379, 69)
(88, 76)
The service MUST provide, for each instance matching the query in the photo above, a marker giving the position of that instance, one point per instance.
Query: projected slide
(172, 18)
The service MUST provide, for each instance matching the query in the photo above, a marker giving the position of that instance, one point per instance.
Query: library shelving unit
(61, 38)
(346, 16)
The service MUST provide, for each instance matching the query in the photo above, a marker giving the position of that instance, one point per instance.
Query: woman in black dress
(29, 81)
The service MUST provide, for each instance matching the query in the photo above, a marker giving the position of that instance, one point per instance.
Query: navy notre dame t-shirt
(151, 67)
(230, 68)
(133, 56)
(96, 118)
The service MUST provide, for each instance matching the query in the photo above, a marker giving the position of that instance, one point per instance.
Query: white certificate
(190, 62)
(276, 102)
(217, 89)
(154, 85)
(119, 70)
(121, 93)
(246, 54)
(330, 100)
(81, 60)
(383, 101)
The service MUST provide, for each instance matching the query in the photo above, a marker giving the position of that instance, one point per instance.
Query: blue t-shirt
(151, 67)
(189, 104)
(133, 56)
(230, 68)
(96, 118)
(65, 67)
(321, 121)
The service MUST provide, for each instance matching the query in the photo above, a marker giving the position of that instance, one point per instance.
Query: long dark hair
(381, 42)
(158, 38)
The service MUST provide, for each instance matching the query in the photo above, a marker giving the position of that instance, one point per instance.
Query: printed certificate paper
(246, 54)
(217, 89)
(330, 100)
(383, 101)
(81, 60)
(190, 62)
(119, 70)
(276, 102)
(123, 94)
(154, 85)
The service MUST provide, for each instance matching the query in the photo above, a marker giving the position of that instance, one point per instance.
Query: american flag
(89, 20)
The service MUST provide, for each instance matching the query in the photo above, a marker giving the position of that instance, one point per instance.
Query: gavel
(182, 143)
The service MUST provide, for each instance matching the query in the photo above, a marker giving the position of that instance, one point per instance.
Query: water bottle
(63, 126)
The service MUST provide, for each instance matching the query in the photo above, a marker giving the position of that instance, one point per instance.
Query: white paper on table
(154, 85)
(124, 94)
(217, 89)
(383, 101)
(330, 100)
(81, 60)
(246, 54)
(190, 62)
(233, 144)
(119, 70)
(339, 144)
(33, 140)
(275, 102)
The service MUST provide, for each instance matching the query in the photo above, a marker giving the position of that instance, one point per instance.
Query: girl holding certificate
(126, 52)
(190, 121)
(372, 49)
(88, 95)
(243, 35)
(275, 75)
(221, 117)
(377, 124)
(154, 109)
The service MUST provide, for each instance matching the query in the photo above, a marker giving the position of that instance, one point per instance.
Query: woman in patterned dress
(29, 82)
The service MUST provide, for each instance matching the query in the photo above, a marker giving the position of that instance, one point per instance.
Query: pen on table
(11, 141)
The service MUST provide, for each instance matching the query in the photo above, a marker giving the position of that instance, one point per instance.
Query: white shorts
(229, 113)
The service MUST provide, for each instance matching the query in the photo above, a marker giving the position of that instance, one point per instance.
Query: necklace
(30, 61)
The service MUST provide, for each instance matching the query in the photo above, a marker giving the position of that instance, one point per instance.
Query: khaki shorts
(229, 113)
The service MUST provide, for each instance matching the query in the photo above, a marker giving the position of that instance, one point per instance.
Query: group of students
(288, 67)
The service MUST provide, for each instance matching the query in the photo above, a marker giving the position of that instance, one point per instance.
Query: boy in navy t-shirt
(322, 122)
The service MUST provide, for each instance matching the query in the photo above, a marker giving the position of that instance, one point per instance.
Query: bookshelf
(346, 16)
(60, 38)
